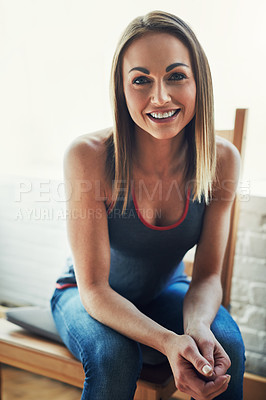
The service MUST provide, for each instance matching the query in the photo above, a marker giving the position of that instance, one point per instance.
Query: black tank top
(145, 258)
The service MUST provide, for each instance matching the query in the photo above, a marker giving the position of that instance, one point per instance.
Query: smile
(164, 115)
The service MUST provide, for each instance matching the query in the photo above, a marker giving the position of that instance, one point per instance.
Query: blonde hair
(201, 161)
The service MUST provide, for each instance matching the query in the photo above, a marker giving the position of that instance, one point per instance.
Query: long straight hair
(201, 159)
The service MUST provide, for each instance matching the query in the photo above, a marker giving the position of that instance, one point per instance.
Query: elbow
(93, 299)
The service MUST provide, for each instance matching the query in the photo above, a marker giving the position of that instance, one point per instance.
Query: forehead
(154, 48)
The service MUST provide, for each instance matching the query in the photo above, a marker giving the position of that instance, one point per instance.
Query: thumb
(201, 364)
(207, 370)
(207, 351)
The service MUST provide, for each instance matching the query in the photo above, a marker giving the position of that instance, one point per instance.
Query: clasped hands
(199, 363)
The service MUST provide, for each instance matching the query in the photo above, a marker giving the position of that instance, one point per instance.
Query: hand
(210, 348)
(188, 364)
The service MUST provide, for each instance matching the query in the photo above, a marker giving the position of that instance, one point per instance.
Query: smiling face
(159, 85)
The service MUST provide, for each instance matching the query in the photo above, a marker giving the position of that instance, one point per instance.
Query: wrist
(196, 325)
(169, 340)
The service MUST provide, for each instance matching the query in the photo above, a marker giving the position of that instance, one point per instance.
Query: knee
(113, 357)
(234, 346)
(228, 335)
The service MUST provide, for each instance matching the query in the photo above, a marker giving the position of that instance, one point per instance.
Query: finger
(189, 382)
(209, 390)
(221, 367)
(220, 387)
(222, 360)
(207, 350)
(200, 363)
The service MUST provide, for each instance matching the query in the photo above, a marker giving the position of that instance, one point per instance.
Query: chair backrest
(237, 136)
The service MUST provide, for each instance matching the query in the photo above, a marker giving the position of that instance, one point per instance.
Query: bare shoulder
(85, 161)
(228, 168)
(86, 155)
(228, 158)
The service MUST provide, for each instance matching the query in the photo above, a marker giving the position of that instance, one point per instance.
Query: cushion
(36, 320)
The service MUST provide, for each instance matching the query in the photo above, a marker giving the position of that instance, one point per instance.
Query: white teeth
(163, 115)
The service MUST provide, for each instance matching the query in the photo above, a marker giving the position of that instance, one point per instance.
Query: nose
(160, 94)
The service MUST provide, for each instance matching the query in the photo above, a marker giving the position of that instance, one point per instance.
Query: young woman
(140, 196)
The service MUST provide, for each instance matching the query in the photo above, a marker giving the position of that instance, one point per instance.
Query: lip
(164, 120)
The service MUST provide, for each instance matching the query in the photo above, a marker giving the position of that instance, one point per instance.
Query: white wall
(248, 296)
(55, 58)
(33, 240)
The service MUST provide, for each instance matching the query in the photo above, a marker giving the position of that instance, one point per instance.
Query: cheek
(135, 99)
(189, 98)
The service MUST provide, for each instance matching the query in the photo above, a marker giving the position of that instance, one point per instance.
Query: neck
(159, 157)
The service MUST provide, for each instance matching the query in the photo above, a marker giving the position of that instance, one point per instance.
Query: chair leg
(1, 387)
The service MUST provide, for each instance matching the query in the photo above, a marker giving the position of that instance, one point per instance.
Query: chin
(165, 133)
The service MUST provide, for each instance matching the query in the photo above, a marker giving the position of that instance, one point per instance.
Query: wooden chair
(21, 349)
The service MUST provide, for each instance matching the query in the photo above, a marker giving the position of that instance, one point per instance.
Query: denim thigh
(111, 362)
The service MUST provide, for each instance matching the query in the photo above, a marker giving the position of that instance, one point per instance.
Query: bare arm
(204, 296)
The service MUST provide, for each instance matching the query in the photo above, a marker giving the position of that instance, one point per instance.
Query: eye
(177, 76)
(141, 80)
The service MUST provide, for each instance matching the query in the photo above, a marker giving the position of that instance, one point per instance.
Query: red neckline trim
(162, 228)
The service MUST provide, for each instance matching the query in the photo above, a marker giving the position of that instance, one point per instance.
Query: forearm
(115, 311)
(202, 302)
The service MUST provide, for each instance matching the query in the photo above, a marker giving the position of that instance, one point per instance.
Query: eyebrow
(172, 66)
(169, 68)
(141, 69)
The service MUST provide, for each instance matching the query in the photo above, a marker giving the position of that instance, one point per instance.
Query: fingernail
(206, 369)
(227, 380)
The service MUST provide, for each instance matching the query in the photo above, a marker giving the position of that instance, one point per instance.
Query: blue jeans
(112, 362)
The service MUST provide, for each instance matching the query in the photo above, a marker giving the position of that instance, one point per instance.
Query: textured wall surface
(33, 243)
(33, 248)
(248, 297)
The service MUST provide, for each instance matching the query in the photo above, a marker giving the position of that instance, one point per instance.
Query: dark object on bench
(36, 320)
